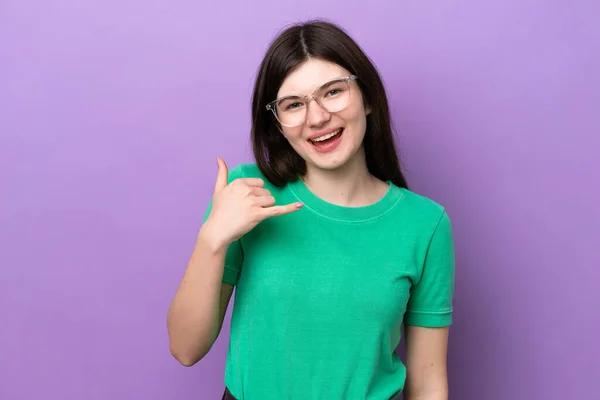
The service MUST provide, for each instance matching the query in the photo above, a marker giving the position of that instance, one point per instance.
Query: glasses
(333, 96)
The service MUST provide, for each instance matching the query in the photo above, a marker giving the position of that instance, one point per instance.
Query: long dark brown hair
(274, 156)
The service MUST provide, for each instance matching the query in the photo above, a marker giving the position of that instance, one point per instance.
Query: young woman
(329, 251)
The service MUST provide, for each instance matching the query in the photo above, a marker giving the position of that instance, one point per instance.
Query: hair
(319, 39)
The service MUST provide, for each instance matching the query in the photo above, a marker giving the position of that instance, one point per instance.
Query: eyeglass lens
(333, 97)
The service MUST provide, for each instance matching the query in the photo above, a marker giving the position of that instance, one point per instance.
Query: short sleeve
(430, 302)
(234, 257)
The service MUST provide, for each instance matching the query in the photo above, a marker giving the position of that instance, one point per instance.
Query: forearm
(437, 395)
(426, 363)
(194, 316)
(433, 390)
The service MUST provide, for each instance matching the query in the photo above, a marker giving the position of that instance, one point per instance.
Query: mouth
(328, 142)
(328, 138)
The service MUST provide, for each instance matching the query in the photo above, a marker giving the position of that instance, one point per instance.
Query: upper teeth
(329, 135)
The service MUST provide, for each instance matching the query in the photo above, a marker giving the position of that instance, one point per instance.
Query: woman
(329, 251)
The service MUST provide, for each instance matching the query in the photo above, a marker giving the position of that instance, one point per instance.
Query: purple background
(112, 114)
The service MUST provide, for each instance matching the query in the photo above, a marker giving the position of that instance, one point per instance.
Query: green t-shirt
(322, 293)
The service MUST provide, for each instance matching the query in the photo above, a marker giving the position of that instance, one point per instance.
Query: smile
(327, 142)
(328, 136)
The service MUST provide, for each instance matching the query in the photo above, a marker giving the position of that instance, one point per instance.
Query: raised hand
(239, 206)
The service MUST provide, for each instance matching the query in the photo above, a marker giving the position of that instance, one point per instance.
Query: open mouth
(327, 139)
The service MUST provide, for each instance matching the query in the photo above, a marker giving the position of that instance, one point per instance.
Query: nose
(316, 115)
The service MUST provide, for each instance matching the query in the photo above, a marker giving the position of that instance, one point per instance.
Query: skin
(340, 176)
(426, 360)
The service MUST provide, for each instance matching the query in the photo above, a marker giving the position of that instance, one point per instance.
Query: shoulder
(250, 170)
(245, 170)
(421, 204)
(424, 211)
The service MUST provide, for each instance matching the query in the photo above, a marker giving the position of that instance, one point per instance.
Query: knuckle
(236, 185)
(257, 215)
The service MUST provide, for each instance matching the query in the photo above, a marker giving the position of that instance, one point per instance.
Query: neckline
(343, 213)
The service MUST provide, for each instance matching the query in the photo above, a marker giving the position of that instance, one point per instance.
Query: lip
(330, 146)
(323, 133)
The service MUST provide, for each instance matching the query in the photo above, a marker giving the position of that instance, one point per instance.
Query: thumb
(222, 175)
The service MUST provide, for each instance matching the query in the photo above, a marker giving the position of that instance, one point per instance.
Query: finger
(281, 210)
(258, 191)
(264, 201)
(222, 175)
(255, 182)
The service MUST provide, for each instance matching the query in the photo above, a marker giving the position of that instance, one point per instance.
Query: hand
(239, 206)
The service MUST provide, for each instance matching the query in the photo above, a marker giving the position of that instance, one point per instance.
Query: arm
(428, 318)
(197, 311)
(196, 314)
(426, 355)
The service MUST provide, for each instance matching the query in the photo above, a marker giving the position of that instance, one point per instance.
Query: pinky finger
(281, 210)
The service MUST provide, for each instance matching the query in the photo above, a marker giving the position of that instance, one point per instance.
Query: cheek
(292, 135)
(358, 118)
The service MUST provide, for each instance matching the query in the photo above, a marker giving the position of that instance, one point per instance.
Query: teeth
(328, 136)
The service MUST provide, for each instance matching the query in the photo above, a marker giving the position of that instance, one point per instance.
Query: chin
(329, 165)
(332, 161)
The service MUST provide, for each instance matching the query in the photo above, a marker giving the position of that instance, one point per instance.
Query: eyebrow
(296, 95)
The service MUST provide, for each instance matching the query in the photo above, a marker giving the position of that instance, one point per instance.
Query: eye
(333, 92)
(293, 106)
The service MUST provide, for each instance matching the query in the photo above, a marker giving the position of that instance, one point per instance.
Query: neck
(351, 185)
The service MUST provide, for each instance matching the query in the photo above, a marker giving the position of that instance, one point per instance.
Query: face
(326, 140)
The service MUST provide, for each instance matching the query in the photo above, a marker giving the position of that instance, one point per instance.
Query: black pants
(227, 395)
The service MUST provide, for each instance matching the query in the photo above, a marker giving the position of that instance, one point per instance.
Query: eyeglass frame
(308, 97)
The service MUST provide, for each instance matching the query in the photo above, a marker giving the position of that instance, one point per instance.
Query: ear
(367, 109)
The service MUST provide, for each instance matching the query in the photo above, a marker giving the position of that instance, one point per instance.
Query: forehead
(310, 75)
